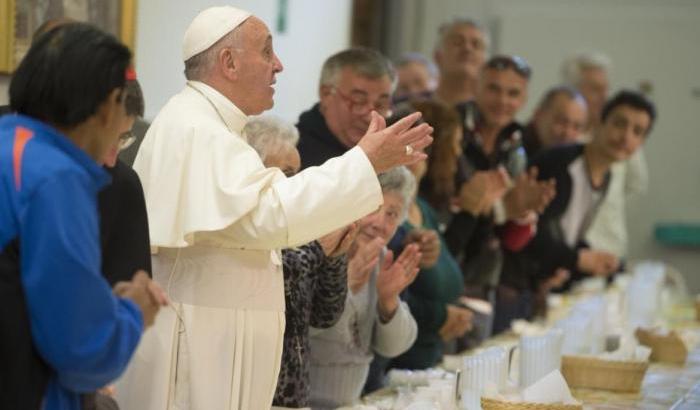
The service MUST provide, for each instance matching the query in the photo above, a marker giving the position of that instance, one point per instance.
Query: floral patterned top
(315, 288)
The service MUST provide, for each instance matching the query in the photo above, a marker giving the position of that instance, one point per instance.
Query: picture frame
(20, 18)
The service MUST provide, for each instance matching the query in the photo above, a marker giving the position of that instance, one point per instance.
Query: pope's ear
(229, 62)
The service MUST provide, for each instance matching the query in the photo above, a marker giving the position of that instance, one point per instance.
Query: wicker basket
(592, 373)
(494, 404)
(664, 348)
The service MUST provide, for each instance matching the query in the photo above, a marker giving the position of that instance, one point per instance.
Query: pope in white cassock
(218, 218)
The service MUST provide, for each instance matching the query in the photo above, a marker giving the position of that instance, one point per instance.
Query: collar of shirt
(473, 121)
(232, 116)
(99, 176)
(509, 138)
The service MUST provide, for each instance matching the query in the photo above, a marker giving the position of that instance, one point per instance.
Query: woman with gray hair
(275, 141)
(374, 319)
(315, 281)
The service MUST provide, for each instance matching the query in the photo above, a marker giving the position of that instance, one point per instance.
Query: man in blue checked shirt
(64, 331)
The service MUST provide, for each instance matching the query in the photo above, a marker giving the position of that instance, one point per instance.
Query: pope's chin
(264, 106)
(272, 98)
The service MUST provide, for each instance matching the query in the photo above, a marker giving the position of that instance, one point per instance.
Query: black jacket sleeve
(460, 231)
(123, 226)
(548, 246)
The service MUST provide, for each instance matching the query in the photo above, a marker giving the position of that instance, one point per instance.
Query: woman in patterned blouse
(315, 274)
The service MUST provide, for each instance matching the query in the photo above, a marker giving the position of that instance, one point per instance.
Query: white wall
(315, 30)
(652, 40)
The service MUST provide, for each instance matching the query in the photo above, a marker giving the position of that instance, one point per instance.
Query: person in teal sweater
(431, 298)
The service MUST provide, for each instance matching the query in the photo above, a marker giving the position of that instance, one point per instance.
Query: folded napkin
(552, 388)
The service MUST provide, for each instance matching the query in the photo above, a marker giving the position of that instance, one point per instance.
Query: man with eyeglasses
(123, 219)
(353, 83)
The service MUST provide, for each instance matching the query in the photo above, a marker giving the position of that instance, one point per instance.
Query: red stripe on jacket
(22, 135)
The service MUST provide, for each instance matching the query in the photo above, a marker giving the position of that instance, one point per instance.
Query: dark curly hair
(631, 99)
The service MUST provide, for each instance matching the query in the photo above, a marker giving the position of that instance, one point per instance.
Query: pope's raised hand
(400, 144)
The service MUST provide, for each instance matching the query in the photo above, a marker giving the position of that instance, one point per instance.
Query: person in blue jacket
(65, 332)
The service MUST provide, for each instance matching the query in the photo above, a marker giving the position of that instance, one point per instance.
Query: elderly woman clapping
(374, 319)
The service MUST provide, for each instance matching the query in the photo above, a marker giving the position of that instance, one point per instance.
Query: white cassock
(218, 218)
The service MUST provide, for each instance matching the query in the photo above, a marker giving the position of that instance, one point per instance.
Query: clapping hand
(557, 280)
(428, 243)
(597, 263)
(394, 276)
(478, 194)
(363, 260)
(146, 293)
(529, 194)
(458, 321)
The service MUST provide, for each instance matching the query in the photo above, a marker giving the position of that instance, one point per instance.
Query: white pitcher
(539, 355)
(486, 370)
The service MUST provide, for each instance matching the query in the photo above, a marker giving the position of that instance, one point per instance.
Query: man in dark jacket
(492, 140)
(486, 244)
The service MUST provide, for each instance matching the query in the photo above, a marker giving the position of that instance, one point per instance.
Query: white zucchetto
(209, 27)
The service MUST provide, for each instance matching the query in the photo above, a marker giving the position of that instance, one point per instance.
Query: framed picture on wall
(20, 18)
